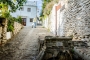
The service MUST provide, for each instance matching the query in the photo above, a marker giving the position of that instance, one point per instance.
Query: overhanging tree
(47, 7)
(7, 6)
(12, 4)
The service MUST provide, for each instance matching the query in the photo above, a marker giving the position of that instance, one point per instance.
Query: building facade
(28, 11)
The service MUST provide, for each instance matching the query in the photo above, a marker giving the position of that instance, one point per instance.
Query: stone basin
(56, 48)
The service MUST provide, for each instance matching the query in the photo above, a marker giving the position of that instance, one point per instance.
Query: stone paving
(24, 46)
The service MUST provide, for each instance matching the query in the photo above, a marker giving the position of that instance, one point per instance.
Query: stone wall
(0, 32)
(77, 19)
(3, 30)
(73, 19)
(52, 20)
(17, 27)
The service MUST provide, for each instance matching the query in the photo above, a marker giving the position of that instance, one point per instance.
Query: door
(24, 21)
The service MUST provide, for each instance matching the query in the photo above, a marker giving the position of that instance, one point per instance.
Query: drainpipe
(36, 13)
(56, 21)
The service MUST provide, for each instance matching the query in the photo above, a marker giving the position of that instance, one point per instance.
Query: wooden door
(24, 21)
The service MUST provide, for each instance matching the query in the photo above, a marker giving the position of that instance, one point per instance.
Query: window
(31, 19)
(22, 8)
(29, 9)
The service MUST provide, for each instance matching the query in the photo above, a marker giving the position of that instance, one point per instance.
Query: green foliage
(6, 14)
(11, 21)
(40, 18)
(10, 28)
(47, 7)
(4, 11)
(7, 6)
(19, 19)
(13, 4)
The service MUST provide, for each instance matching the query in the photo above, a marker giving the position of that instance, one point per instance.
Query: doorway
(24, 21)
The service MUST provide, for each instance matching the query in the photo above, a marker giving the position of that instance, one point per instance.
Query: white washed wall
(8, 35)
(53, 20)
(58, 22)
(61, 24)
(45, 22)
(50, 21)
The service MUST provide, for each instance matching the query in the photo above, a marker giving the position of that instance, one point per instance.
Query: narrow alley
(24, 46)
(44, 29)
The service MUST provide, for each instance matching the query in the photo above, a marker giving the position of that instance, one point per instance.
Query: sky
(39, 4)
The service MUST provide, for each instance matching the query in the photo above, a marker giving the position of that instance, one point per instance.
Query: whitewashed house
(27, 12)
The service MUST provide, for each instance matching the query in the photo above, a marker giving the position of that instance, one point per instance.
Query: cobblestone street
(24, 46)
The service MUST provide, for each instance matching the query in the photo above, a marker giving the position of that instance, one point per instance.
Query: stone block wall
(73, 20)
(0, 32)
(3, 30)
(17, 27)
(77, 19)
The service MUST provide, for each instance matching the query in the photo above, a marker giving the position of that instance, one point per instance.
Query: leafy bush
(11, 21)
(6, 14)
(47, 7)
(19, 19)
(10, 28)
